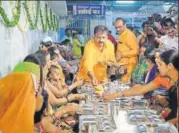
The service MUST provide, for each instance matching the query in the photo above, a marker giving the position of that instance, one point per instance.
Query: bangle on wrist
(54, 118)
(67, 99)
(122, 94)
(69, 90)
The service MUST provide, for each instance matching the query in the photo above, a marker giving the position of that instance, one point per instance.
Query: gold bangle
(54, 118)
(69, 91)
(67, 99)
(122, 94)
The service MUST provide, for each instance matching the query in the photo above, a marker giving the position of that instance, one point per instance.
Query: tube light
(125, 2)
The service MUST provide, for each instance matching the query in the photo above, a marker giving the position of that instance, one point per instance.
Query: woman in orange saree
(17, 103)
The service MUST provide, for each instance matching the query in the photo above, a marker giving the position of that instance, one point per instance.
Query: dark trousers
(82, 50)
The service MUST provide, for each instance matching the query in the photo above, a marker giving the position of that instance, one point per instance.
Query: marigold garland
(31, 24)
(54, 22)
(56, 25)
(42, 22)
(49, 21)
(47, 17)
(23, 28)
(16, 16)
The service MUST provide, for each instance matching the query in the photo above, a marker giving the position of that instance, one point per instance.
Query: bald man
(127, 49)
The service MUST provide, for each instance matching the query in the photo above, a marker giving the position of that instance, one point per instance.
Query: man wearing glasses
(127, 49)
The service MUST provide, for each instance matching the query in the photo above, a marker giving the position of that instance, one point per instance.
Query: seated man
(46, 43)
(98, 52)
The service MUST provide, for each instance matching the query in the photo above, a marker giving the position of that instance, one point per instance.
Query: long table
(120, 117)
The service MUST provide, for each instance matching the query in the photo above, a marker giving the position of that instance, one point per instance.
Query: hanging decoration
(11, 2)
(51, 19)
(47, 17)
(16, 16)
(31, 24)
(24, 27)
(43, 21)
(56, 24)
(48, 20)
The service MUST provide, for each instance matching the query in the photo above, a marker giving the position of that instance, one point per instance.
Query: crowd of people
(40, 95)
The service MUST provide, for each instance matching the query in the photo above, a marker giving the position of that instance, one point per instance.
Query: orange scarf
(17, 103)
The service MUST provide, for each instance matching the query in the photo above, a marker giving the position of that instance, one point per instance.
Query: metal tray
(143, 117)
(133, 104)
(97, 124)
(106, 124)
(156, 128)
(137, 119)
(96, 109)
(141, 112)
(87, 88)
(115, 86)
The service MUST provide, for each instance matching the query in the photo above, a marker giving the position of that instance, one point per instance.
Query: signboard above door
(88, 10)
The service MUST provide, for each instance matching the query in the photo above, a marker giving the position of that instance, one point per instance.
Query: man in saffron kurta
(127, 49)
(98, 52)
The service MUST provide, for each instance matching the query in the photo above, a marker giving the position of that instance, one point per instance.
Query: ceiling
(63, 8)
(123, 7)
(59, 7)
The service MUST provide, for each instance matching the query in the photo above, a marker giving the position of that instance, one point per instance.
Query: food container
(140, 104)
(143, 117)
(156, 128)
(106, 124)
(97, 124)
(85, 121)
(135, 112)
(87, 88)
(115, 86)
(96, 109)
(133, 104)
(137, 119)
(155, 119)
